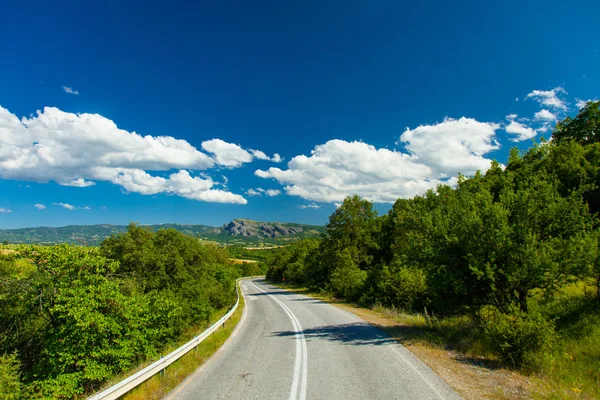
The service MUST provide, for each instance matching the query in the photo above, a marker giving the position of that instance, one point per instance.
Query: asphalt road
(289, 346)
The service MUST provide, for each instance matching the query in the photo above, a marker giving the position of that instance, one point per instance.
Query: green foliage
(493, 242)
(584, 128)
(347, 279)
(10, 384)
(519, 338)
(78, 316)
(399, 286)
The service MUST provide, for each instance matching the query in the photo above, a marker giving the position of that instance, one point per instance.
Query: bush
(10, 384)
(347, 280)
(519, 339)
(399, 286)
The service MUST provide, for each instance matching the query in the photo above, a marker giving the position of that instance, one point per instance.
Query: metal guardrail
(118, 390)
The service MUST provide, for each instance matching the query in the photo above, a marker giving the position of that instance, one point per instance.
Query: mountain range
(239, 231)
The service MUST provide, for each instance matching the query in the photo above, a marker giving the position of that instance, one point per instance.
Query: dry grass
(239, 261)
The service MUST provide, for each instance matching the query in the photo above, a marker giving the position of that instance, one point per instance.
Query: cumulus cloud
(522, 131)
(70, 90)
(550, 98)
(436, 154)
(259, 154)
(232, 155)
(65, 205)
(40, 206)
(452, 146)
(261, 191)
(80, 149)
(5, 210)
(79, 182)
(262, 156)
(227, 154)
(312, 205)
(253, 192)
(545, 115)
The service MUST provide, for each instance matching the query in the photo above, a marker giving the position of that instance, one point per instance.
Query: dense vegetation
(73, 317)
(502, 248)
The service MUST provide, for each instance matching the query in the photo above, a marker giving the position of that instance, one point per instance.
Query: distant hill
(239, 231)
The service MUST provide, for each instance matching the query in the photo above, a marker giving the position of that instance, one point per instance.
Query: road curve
(289, 346)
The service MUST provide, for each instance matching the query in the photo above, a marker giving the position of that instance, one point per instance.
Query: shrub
(347, 280)
(10, 384)
(399, 286)
(519, 339)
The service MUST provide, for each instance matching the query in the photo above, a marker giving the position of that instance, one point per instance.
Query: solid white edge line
(304, 353)
(301, 364)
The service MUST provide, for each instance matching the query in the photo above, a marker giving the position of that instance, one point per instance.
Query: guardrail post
(162, 371)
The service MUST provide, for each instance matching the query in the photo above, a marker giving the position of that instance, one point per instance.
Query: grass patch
(161, 384)
(572, 369)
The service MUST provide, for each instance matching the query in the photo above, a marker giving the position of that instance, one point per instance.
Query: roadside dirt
(472, 379)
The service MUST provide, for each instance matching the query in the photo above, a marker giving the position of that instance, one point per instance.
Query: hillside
(238, 231)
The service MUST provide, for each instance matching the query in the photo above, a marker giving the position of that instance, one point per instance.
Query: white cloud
(259, 154)
(438, 152)
(40, 206)
(545, 115)
(261, 191)
(312, 205)
(86, 208)
(522, 131)
(549, 98)
(70, 90)
(232, 155)
(65, 205)
(452, 146)
(252, 192)
(262, 156)
(227, 154)
(5, 210)
(79, 182)
(80, 149)
(582, 103)
(544, 128)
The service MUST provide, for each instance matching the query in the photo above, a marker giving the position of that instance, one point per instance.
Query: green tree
(584, 128)
(347, 279)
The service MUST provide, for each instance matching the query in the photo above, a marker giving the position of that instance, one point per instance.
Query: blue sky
(145, 107)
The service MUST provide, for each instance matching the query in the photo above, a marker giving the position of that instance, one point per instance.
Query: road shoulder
(471, 379)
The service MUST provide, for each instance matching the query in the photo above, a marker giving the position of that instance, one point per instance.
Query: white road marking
(190, 378)
(301, 364)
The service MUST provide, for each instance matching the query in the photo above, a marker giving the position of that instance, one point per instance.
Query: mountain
(239, 231)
